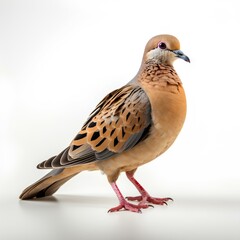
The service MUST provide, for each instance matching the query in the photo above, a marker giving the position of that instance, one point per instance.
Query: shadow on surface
(98, 200)
(73, 199)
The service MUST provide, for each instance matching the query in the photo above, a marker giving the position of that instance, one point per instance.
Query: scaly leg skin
(145, 197)
(124, 204)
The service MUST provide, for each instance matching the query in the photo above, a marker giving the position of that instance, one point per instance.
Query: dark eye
(162, 45)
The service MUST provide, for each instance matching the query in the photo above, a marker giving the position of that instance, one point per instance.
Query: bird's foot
(149, 199)
(129, 207)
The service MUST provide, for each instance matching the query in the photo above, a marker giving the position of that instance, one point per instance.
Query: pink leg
(145, 197)
(124, 204)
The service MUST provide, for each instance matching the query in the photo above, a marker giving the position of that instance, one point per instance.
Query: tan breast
(168, 115)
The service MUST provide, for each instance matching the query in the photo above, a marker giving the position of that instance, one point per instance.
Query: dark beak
(181, 55)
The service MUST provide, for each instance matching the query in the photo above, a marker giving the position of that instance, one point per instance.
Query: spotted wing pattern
(119, 122)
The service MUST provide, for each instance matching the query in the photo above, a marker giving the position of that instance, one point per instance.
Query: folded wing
(119, 122)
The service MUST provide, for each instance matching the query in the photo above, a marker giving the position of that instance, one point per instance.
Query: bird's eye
(162, 45)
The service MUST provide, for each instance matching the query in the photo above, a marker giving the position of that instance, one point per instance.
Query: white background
(59, 58)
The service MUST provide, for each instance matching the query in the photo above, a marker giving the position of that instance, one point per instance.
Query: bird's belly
(156, 144)
(158, 141)
(147, 150)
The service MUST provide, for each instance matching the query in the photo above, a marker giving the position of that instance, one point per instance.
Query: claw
(128, 207)
(149, 199)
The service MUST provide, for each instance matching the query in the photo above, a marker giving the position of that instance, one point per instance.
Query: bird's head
(163, 49)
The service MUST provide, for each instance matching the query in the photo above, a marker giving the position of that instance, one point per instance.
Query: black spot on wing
(123, 132)
(104, 129)
(92, 124)
(128, 115)
(74, 147)
(80, 136)
(95, 136)
(112, 132)
(116, 141)
(101, 142)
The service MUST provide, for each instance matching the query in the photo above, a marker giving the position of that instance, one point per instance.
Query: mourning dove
(131, 126)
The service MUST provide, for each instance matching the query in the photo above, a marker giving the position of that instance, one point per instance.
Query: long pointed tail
(51, 182)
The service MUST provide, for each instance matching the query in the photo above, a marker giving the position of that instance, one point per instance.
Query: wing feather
(119, 122)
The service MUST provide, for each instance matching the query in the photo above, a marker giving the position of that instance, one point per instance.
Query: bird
(130, 127)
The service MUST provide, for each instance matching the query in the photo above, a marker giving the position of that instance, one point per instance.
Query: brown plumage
(129, 127)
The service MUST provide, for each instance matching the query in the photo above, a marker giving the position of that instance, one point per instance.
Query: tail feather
(51, 182)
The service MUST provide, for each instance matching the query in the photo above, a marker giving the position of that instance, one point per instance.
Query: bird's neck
(157, 75)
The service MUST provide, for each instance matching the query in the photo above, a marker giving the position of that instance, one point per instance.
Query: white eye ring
(162, 45)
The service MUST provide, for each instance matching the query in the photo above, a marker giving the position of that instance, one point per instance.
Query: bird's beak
(181, 55)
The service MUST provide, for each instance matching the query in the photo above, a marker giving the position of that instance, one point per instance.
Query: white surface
(59, 58)
(85, 217)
